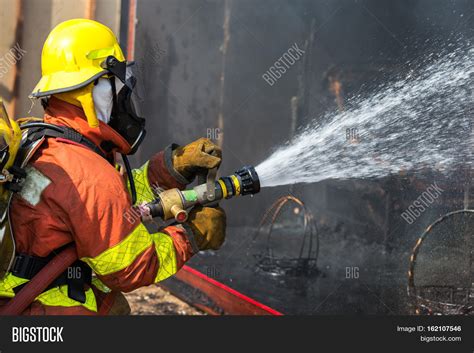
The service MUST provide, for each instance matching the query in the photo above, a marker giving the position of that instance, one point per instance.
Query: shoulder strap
(37, 131)
(34, 135)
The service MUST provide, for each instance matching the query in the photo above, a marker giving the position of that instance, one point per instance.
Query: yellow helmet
(73, 57)
(10, 139)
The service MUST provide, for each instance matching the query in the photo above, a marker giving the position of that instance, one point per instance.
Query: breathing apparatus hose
(42, 125)
(128, 169)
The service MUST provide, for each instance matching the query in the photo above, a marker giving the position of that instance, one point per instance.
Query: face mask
(103, 98)
(124, 118)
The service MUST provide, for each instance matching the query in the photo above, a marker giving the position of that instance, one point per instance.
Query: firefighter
(73, 192)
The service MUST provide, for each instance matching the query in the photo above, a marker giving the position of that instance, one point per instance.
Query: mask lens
(125, 119)
(130, 76)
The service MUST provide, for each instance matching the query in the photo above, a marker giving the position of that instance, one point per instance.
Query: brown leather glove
(208, 225)
(196, 158)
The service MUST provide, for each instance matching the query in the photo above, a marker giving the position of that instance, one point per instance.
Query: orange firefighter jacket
(72, 194)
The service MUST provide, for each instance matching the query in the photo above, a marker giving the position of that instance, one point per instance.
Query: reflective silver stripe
(34, 185)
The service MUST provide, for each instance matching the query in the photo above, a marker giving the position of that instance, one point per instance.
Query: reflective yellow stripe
(142, 185)
(100, 285)
(166, 254)
(8, 283)
(236, 183)
(123, 254)
(223, 187)
(53, 297)
(58, 297)
(100, 53)
(112, 260)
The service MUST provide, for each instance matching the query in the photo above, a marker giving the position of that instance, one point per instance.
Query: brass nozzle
(179, 214)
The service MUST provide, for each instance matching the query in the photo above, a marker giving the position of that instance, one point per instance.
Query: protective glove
(196, 158)
(208, 226)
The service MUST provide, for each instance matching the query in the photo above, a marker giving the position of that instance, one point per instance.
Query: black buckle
(16, 263)
(24, 266)
(18, 172)
(15, 184)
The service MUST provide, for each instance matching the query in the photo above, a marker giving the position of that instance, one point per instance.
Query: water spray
(422, 120)
(414, 123)
(174, 203)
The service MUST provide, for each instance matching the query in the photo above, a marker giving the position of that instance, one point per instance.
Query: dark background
(199, 60)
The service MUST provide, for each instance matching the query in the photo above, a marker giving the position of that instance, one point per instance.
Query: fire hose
(40, 282)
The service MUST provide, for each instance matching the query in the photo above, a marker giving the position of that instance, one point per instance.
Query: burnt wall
(202, 64)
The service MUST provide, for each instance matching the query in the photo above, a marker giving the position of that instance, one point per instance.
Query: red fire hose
(40, 282)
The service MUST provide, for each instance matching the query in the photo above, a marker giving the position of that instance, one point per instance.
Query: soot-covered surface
(201, 68)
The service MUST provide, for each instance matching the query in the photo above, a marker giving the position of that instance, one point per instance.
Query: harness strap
(67, 133)
(78, 274)
(33, 288)
(75, 276)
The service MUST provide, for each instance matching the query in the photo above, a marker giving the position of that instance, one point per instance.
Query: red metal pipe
(131, 30)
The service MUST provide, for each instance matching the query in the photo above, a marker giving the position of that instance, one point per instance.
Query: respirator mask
(115, 102)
